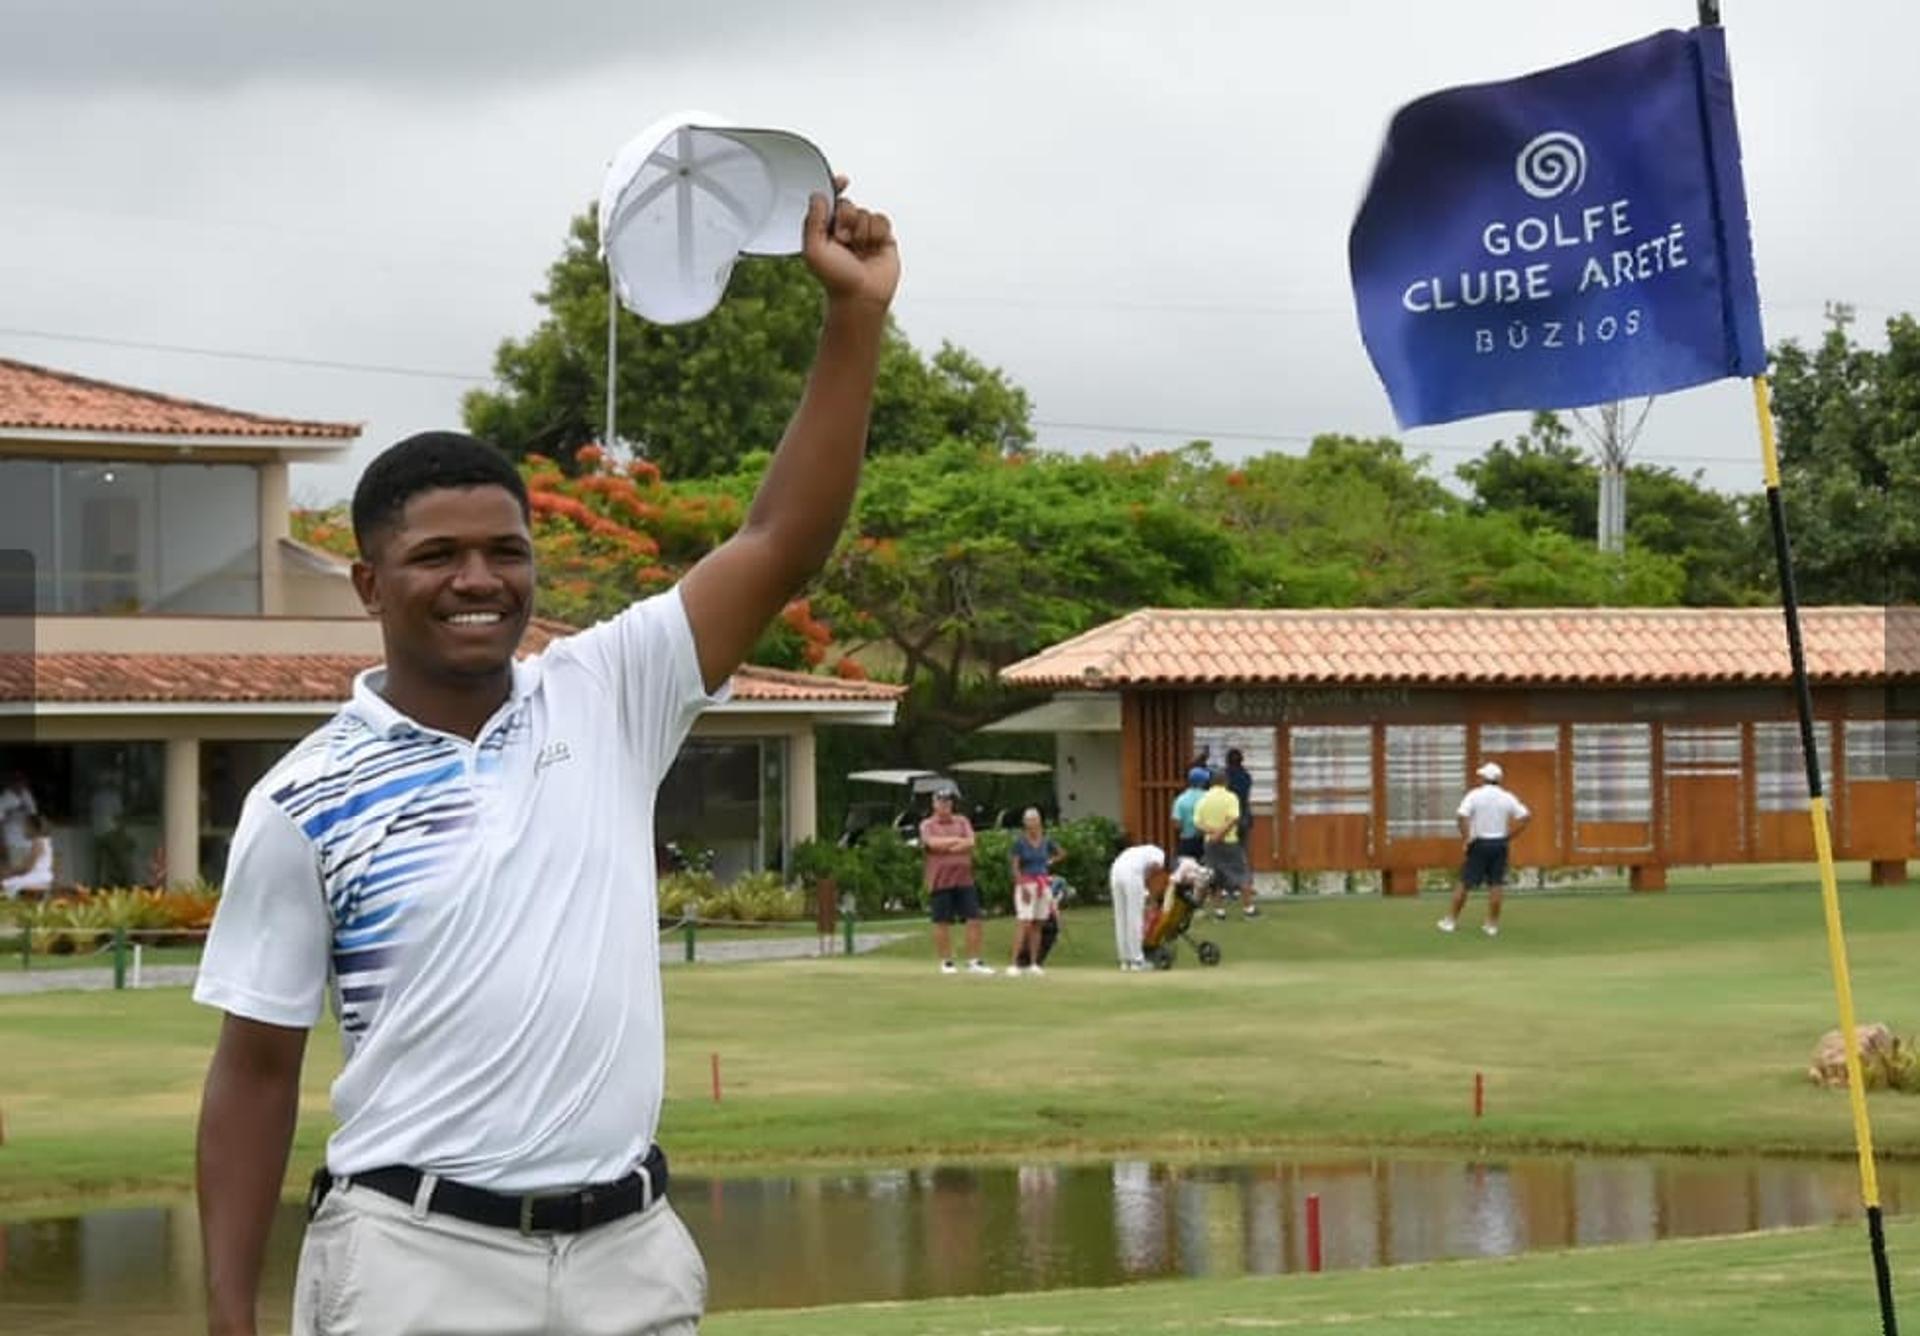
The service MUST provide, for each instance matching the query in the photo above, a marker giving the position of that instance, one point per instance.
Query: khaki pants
(372, 1266)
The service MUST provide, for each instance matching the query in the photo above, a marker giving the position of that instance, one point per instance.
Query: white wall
(1086, 774)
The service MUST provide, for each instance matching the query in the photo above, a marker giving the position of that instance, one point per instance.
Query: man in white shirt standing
(1489, 818)
(462, 859)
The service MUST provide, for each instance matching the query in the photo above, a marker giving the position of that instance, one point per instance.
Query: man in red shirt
(946, 838)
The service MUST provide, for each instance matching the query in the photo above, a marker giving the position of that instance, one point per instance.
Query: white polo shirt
(1132, 865)
(483, 913)
(1487, 809)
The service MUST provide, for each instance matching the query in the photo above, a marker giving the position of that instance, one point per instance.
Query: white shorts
(1033, 899)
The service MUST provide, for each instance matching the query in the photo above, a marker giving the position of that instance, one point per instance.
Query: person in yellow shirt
(1218, 816)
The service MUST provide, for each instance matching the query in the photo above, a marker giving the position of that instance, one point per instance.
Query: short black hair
(422, 463)
(1234, 757)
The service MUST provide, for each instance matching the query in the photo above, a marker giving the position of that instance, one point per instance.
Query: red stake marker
(716, 1078)
(1313, 1231)
(1479, 1094)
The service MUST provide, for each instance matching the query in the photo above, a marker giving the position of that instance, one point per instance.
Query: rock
(1879, 1058)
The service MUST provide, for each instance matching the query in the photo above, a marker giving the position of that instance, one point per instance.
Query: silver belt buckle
(526, 1215)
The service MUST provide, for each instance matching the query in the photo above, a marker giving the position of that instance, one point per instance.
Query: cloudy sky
(1138, 209)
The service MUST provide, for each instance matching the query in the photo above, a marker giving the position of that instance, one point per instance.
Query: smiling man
(463, 859)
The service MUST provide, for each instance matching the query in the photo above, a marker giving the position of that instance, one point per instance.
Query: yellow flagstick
(1823, 849)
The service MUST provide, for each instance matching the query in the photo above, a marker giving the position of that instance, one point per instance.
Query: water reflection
(900, 1234)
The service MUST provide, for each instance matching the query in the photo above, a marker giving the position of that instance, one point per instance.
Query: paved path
(672, 952)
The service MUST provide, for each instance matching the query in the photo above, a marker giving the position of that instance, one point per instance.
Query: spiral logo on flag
(1551, 164)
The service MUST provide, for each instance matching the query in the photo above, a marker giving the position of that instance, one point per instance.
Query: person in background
(1489, 818)
(1240, 780)
(1189, 843)
(946, 841)
(1218, 816)
(16, 810)
(35, 871)
(1034, 854)
(1134, 874)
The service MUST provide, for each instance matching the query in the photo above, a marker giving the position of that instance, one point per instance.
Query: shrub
(759, 897)
(882, 872)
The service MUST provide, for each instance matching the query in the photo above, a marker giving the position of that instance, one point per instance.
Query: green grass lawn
(1673, 1022)
(1788, 1284)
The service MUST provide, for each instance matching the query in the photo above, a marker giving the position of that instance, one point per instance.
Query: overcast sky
(1139, 210)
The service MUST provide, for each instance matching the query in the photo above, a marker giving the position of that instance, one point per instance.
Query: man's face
(452, 582)
(943, 805)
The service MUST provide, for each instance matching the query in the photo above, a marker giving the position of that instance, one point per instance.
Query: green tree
(1544, 480)
(696, 398)
(1849, 421)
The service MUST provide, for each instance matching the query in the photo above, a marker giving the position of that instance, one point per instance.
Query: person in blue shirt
(1034, 854)
(1191, 843)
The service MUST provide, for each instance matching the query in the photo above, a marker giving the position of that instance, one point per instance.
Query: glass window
(1426, 774)
(228, 770)
(1256, 753)
(1883, 748)
(102, 801)
(1331, 769)
(710, 804)
(1697, 750)
(116, 537)
(1780, 765)
(1519, 738)
(1612, 772)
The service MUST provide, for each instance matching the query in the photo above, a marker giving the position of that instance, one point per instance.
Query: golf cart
(1007, 788)
(899, 799)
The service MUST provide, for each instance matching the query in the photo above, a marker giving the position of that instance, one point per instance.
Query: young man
(946, 842)
(463, 857)
(1489, 818)
(1218, 817)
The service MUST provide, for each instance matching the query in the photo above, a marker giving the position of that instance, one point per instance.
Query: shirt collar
(373, 709)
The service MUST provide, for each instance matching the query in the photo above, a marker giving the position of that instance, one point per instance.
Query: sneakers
(1251, 911)
(1035, 970)
(948, 967)
(979, 967)
(1490, 929)
(1015, 971)
(1445, 924)
(1219, 913)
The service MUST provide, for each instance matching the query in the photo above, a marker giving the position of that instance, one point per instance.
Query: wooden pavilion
(1643, 738)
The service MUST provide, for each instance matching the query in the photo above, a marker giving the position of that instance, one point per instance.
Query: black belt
(538, 1213)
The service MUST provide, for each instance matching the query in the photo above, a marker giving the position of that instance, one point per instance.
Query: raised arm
(802, 504)
(247, 1116)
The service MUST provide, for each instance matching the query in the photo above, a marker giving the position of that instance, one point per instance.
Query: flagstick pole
(613, 322)
(1823, 848)
(1709, 14)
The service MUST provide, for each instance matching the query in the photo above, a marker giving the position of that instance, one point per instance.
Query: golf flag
(1572, 237)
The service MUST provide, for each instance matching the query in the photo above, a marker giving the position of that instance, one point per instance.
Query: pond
(820, 1238)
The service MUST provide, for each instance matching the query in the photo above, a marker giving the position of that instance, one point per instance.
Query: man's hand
(854, 258)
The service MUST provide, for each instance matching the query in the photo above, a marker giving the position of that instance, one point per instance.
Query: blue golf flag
(1568, 238)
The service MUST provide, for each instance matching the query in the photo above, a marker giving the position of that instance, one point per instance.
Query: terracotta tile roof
(309, 679)
(1486, 647)
(37, 397)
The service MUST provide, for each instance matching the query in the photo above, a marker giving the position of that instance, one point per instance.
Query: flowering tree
(615, 532)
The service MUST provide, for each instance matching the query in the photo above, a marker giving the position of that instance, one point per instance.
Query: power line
(1285, 438)
(237, 355)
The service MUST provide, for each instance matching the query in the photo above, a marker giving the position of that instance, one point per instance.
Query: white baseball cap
(689, 195)
(1490, 771)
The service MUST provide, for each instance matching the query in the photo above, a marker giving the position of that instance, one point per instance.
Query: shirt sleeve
(648, 659)
(1519, 808)
(269, 954)
(1465, 809)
